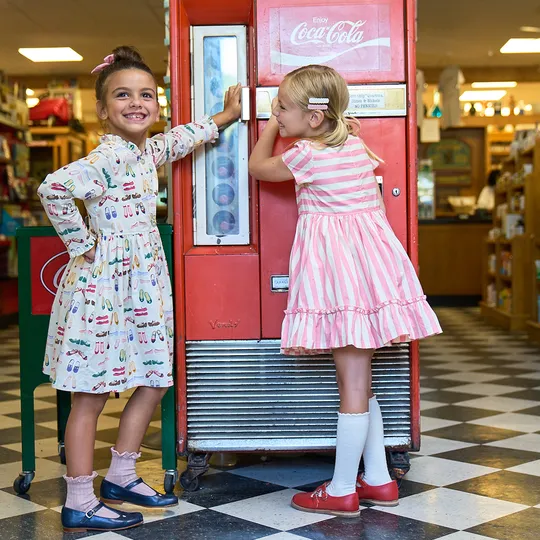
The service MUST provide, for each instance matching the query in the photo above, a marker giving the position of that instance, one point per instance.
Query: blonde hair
(317, 81)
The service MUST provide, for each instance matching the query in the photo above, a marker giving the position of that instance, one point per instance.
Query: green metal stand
(33, 336)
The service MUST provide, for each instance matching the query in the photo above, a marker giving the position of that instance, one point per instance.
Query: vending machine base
(245, 396)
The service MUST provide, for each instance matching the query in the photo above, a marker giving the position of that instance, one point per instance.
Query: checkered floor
(476, 476)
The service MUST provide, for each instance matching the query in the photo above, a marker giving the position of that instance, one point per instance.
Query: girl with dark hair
(111, 326)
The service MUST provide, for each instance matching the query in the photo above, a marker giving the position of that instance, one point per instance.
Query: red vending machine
(232, 234)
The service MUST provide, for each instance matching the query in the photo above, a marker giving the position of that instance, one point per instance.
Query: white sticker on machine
(279, 283)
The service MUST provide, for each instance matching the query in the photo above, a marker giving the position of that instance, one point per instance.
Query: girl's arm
(182, 140)
(84, 180)
(264, 166)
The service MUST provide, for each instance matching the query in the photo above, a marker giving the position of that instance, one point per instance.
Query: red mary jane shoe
(320, 502)
(385, 495)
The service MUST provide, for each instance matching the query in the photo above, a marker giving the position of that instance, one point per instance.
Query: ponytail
(354, 129)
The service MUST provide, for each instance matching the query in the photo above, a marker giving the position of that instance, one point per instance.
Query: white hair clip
(318, 104)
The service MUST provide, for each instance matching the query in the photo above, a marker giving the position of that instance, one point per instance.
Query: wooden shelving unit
(508, 301)
(497, 148)
(513, 314)
(533, 324)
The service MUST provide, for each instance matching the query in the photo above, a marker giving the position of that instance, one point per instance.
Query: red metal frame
(412, 198)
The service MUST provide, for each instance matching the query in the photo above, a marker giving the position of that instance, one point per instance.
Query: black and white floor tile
(476, 476)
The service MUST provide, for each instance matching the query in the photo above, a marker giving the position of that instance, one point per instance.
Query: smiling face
(292, 120)
(130, 106)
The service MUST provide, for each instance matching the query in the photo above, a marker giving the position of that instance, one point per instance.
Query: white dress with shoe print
(111, 324)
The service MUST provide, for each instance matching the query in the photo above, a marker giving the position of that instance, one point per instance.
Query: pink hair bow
(107, 61)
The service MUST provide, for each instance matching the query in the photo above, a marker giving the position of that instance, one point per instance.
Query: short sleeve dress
(351, 281)
(111, 325)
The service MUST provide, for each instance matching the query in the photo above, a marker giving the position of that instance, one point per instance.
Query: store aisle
(478, 470)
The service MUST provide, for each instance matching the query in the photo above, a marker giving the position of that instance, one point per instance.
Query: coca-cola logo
(52, 271)
(355, 38)
(348, 32)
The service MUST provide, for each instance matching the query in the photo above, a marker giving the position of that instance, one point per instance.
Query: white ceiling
(464, 32)
(92, 27)
(461, 32)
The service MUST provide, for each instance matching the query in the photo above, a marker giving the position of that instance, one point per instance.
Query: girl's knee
(153, 393)
(91, 402)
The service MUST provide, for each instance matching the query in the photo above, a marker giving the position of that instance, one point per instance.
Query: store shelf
(484, 121)
(506, 279)
(501, 318)
(533, 329)
(8, 123)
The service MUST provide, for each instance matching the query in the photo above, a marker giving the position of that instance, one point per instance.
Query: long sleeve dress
(111, 325)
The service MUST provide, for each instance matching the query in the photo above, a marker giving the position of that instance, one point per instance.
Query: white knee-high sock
(376, 469)
(351, 436)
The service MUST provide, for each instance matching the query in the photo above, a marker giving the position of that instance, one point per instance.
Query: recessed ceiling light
(521, 45)
(482, 95)
(503, 84)
(533, 29)
(51, 54)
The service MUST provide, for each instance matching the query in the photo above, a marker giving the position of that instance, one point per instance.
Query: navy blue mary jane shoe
(113, 494)
(76, 521)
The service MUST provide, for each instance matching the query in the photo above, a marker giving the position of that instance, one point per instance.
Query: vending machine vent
(247, 396)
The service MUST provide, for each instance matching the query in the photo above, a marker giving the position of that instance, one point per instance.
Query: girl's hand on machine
(232, 106)
(90, 255)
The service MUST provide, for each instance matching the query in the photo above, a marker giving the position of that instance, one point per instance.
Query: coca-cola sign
(363, 40)
(48, 261)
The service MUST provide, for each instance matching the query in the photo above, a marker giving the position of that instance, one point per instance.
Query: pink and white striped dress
(351, 281)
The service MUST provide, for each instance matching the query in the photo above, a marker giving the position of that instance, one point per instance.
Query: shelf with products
(507, 295)
(50, 149)
(506, 302)
(533, 324)
(498, 142)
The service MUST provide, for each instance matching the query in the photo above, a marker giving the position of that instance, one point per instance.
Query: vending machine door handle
(245, 115)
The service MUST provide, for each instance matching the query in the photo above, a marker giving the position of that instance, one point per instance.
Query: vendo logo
(52, 272)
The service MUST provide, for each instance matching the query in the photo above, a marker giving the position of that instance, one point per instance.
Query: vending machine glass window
(221, 206)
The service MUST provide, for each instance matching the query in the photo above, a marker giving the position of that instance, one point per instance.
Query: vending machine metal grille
(246, 395)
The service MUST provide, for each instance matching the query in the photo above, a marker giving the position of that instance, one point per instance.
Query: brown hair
(316, 81)
(125, 57)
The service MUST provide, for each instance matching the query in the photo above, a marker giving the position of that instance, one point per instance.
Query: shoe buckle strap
(90, 513)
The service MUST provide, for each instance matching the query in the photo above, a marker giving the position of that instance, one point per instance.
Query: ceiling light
(533, 29)
(32, 102)
(521, 45)
(503, 84)
(51, 54)
(482, 95)
(29, 92)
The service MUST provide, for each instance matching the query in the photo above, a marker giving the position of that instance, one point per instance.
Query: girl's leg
(375, 466)
(80, 435)
(80, 439)
(133, 425)
(353, 371)
(376, 486)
